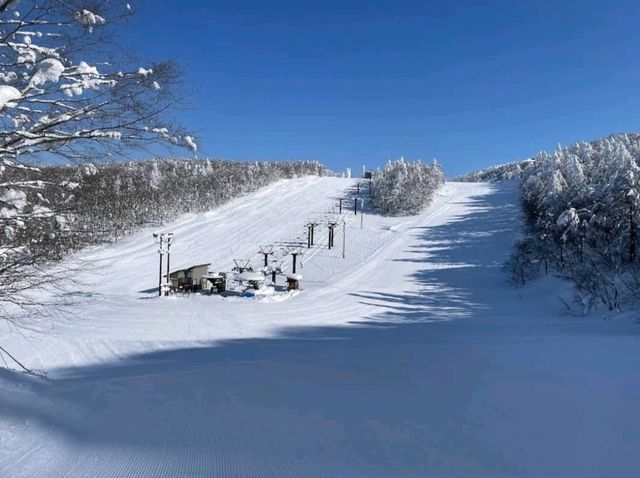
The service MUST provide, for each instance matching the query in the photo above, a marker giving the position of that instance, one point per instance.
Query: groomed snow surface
(411, 357)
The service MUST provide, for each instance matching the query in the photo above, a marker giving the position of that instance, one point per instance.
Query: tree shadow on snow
(463, 262)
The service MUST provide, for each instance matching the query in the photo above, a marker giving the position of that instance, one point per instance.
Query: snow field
(411, 357)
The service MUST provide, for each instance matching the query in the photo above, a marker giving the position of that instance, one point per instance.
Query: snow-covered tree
(64, 96)
(582, 203)
(403, 187)
(501, 172)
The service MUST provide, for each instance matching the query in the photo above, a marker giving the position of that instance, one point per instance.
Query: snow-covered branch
(63, 97)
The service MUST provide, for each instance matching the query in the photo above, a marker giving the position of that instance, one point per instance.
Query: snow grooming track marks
(362, 374)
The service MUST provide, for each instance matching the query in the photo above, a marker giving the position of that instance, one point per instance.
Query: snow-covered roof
(250, 276)
(191, 268)
(294, 276)
(212, 275)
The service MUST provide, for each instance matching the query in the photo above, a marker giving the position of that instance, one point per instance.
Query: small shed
(189, 278)
(293, 281)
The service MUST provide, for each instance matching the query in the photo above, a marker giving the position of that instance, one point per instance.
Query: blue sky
(356, 82)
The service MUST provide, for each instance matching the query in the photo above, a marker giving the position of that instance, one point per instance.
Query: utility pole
(340, 209)
(160, 270)
(344, 238)
(169, 241)
(358, 188)
(355, 206)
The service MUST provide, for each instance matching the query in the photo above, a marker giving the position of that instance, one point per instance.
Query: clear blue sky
(353, 82)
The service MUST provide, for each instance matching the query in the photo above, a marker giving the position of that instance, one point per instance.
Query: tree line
(90, 204)
(501, 172)
(582, 208)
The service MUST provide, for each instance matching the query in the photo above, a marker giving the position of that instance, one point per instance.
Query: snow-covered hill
(412, 356)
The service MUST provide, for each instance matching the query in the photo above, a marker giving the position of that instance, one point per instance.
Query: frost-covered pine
(583, 204)
(496, 173)
(403, 187)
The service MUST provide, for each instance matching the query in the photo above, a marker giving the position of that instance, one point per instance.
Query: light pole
(164, 240)
(169, 238)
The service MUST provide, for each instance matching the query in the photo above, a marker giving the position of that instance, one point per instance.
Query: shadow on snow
(397, 393)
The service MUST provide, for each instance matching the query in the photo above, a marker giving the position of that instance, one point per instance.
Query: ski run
(412, 356)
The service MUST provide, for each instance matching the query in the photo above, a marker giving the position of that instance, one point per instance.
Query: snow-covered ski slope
(410, 357)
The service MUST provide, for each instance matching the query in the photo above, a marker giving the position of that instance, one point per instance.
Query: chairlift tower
(276, 268)
(266, 251)
(310, 225)
(295, 251)
(242, 265)
(331, 225)
(355, 205)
